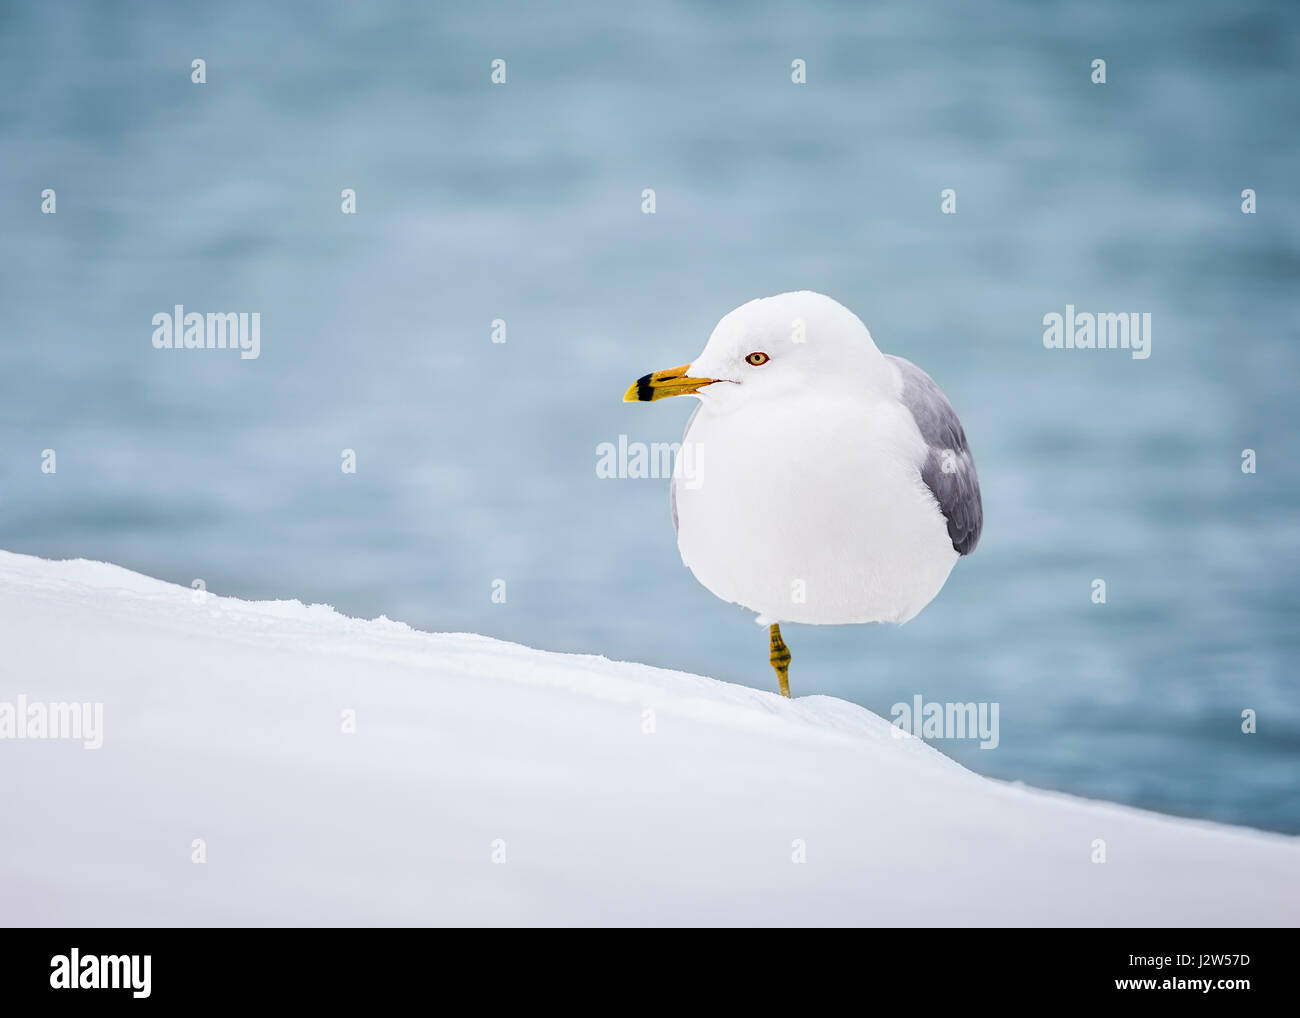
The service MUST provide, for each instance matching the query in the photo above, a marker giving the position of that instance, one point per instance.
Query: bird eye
(757, 358)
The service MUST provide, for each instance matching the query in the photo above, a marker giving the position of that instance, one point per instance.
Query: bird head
(771, 346)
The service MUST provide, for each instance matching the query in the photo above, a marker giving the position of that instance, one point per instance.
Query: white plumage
(808, 503)
(829, 483)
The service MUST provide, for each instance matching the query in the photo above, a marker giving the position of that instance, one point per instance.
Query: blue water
(476, 461)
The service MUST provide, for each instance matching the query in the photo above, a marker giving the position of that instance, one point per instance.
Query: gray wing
(672, 487)
(949, 470)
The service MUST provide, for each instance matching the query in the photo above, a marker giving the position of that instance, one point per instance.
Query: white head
(772, 346)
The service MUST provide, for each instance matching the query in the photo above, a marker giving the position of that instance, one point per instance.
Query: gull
(832, 484)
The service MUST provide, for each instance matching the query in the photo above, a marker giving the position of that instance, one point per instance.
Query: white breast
(813, 510)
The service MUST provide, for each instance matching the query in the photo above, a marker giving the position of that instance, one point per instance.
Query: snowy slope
(222, 722)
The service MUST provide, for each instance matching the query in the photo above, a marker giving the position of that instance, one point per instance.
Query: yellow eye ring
(757, 358)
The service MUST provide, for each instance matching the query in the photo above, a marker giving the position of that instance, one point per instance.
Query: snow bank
(489, 783)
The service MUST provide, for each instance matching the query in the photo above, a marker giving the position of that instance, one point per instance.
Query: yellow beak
(662, 384)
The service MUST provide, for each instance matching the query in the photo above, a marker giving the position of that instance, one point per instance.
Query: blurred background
(476, 461)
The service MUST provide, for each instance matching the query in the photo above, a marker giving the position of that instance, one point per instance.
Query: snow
(223, 721)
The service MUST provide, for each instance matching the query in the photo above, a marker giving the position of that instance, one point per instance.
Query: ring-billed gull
(831, 483)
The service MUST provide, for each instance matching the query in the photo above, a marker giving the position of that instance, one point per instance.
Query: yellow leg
(780, 658)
